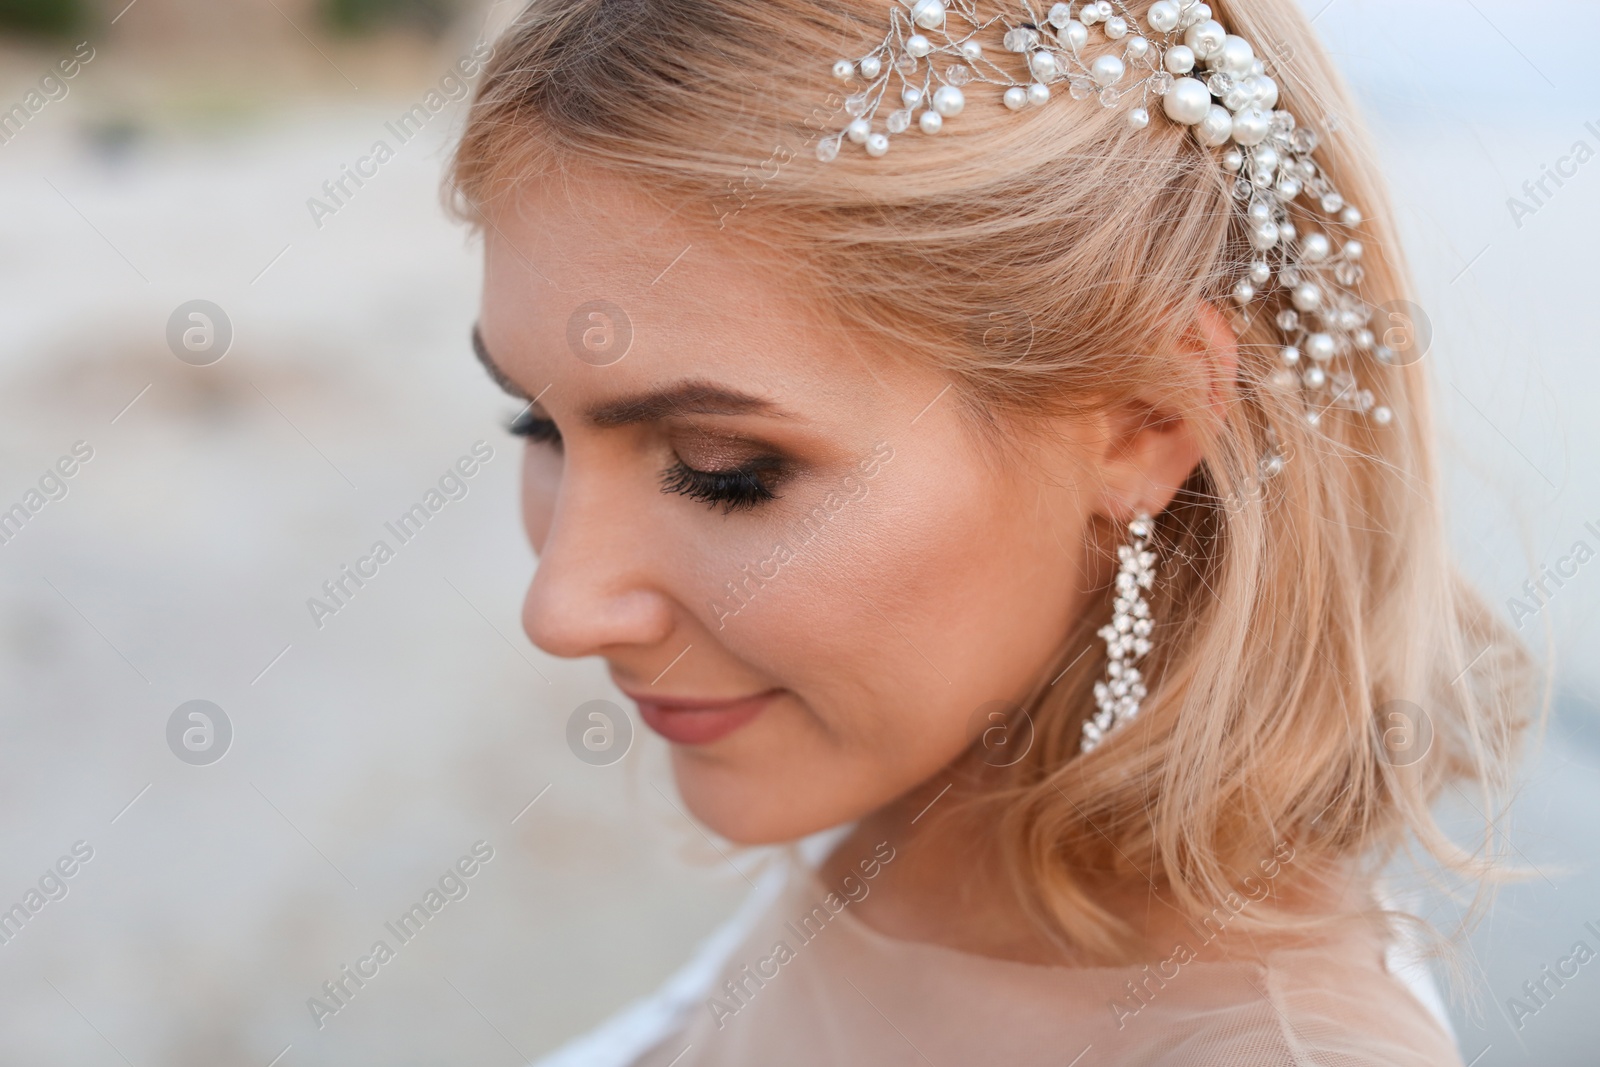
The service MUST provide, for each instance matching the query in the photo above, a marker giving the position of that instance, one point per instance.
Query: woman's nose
(592, 589)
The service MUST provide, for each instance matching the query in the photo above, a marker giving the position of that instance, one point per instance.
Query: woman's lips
(687, 721)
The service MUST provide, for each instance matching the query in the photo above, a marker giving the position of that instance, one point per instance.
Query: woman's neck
(948, 884)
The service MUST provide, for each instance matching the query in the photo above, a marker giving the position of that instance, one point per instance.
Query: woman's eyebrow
(684, 398)
(482, 352)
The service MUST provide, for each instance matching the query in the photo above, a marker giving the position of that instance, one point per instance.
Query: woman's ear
(1151, 447)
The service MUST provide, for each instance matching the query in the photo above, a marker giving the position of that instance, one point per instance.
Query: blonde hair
(1289, 610)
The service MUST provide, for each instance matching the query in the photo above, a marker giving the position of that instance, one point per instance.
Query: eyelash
(738, 489)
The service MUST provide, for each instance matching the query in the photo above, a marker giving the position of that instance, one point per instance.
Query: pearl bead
(1315, 378)
(1043, 65)
(1282, 379)
(1260, 273)
(1353, 249)
(1382, 415)
(1383, 354)
(971, 49)
(1291, 355)
(930, 121)
(1319, 346)
(1364, 340)
(1106, 70)
(1163, 16)
(1307, 296)
(1237, 99)
(1074, 35)
(877, 144)
(1187, 102)
(1205, 37)
(1015, 98)
(918, 45)
(1090, 14)
(870, 66)
(1264, 89)
(1351, 216)
(1289, 231)
(1250, 126)
(1315, 248)
(1137, 48)
(1288, 186)
(1244, 292)
(857, 131)
(911, 96)
(1234, 56)
(1138, 118)
(842, 69)
(1116, 27)
(929, 14)
(1265, 158)
(1232, 160)
(1038, 94)
(1180, 59)
(1104, 7)
(1264, 236)
(1349, 320)
(1258, 211)
(948, 101)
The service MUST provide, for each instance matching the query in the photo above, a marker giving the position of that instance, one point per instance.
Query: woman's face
(790, 548)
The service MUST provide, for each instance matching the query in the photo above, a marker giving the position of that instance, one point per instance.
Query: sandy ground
(371, 754)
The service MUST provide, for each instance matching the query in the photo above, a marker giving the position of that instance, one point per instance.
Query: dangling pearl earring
(1127, 638)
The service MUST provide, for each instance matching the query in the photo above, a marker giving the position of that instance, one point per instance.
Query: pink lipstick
(691, 721)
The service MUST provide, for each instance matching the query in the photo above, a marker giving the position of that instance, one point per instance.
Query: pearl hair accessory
(1127, 637)
(1205, 78)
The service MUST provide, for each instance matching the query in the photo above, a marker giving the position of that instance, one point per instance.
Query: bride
(983, 441)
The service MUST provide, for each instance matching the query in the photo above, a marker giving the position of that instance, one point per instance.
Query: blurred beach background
(369, 755)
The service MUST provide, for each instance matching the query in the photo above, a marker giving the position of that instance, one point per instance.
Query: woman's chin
(750, 808)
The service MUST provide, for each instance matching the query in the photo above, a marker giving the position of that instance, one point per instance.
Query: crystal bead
(1288, 320)
(1348, 273)
(958, 74)
(1219, 84)
(1060, 15)
(828, 148)
(1332, 202)
(1304, 141)
(1242, 188)
(1080, 88)
(1021, 39)
(906, 64)
(1289, 277)
(855, 105)
(1281, 124)
(899, 121)
(1109, 96)
(1161, 83)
